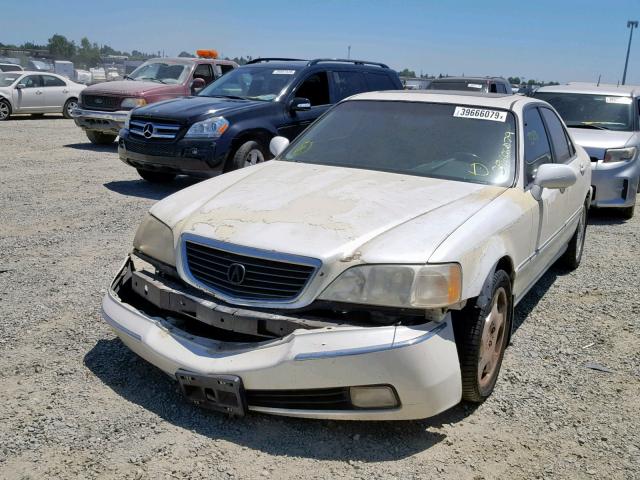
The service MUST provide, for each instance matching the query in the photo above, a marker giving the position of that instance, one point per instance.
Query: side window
(501, 88)
(205, 72)
(49, 81)
(348, 83)
(493, 88)
(536, 144)
(557, 134)
(315, 88)
(32, 81)
(380, 81)
(225, 68)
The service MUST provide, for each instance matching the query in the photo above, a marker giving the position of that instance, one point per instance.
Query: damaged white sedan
(370, 271)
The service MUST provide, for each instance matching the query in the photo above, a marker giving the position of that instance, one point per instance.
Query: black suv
(230, 123)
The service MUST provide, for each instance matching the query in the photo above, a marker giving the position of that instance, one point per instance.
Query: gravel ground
(75, 403)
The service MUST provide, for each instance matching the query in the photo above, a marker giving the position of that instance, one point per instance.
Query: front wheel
(573, 255)
(156, 177)
(98, 138)
(68, 108)
(482, 333)
(5, 110)
(248, 154)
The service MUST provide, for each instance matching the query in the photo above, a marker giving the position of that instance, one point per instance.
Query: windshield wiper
(234, 97)
(152, 79)
(127, 77)
(586, 125)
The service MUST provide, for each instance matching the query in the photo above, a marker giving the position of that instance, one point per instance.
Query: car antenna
(599, 77)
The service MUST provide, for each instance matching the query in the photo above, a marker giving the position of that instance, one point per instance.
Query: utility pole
(349, 52)
(630, 24)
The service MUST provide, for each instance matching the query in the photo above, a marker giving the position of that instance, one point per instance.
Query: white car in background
(37, 93)
(370, 271)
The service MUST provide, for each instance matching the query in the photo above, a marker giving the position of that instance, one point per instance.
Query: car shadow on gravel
(605, 216)
(142, 384)
(90, 147)
(154, 191)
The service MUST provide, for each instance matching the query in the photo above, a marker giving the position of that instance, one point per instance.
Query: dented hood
(326, 212)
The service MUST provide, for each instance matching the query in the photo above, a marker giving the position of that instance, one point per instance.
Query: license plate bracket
(222, 393)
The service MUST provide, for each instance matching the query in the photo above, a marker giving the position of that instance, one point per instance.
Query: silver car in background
(605, 120)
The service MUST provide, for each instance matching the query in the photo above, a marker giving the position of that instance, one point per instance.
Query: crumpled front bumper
(420, 362)
(104, 122)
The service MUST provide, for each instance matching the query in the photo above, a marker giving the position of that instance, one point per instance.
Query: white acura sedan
(37, 93)
(370, 271)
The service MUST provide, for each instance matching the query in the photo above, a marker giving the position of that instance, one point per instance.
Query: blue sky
(550, 40)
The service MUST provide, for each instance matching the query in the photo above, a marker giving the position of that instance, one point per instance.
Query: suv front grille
(247, 277)
(150, 130)
(101, 102)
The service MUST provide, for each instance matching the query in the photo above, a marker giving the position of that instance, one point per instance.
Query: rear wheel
(68, 108)
(156, 177)
(482, 334)
(627, 212)
(573, 255)
(98, 138)
(249, 153)
(5, 110)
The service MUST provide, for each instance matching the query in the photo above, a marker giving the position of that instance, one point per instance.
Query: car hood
(185, 108)
(595, 142)
(128, 87)
(326, 212)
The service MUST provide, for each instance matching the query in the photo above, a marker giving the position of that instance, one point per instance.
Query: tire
(98, 138)
(572, 257)
(69, 106)
(249, 153)
(5, 110)
(627, 213)
(156, 177)
(482, 333)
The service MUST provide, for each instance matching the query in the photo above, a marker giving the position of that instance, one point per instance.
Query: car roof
(497, 100)
(187, 60)
(603, 89)
(301, 63)
(467, 79)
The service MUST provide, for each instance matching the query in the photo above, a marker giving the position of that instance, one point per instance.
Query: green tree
(60, 47)
(514, 80)
(407, 73)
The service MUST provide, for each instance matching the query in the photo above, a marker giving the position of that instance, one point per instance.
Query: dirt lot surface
(75, 403)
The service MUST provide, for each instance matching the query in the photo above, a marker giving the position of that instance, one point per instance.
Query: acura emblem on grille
(236, 273)
(147, 131)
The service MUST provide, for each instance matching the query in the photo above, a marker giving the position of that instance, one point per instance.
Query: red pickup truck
(103, 108)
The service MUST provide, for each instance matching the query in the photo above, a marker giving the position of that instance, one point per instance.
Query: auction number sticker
(283, 72)
(619, 100)
(480, 114)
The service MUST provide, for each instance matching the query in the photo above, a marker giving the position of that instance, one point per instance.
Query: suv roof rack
(274, 59)
(345, 60)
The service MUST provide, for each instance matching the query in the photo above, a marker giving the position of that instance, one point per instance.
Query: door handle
(38, 92)
(582, 169)
(65, 91)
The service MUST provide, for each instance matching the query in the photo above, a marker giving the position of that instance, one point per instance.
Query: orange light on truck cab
(207, 53)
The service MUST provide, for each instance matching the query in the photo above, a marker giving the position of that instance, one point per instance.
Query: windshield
(602, 112)
(255, 83)
(413, 138)
(469, 86)
(160, 72)
(7, 79)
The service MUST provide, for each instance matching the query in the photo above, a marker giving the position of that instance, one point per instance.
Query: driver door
(31, 97)
(315, 87)
(550, 215)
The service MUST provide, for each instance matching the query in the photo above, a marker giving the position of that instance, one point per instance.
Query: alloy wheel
(493, 335)
(4, 110)
(71, 106)
(582, 225)
(254, 157)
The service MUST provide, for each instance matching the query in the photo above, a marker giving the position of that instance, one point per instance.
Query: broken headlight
(404, 286)
(155, 239)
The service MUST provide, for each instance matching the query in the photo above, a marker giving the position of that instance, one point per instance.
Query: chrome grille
(151, 130)
(263, 277)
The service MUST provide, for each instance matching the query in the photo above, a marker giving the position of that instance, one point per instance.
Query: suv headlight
(210, 128)
(408, 286)
(133, 102)
(155, 239)
(619, 154)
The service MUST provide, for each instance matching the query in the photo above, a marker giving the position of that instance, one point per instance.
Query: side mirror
(299, 104)
(20, 86)
(554, 176)
(197, 84)
(277, 145)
